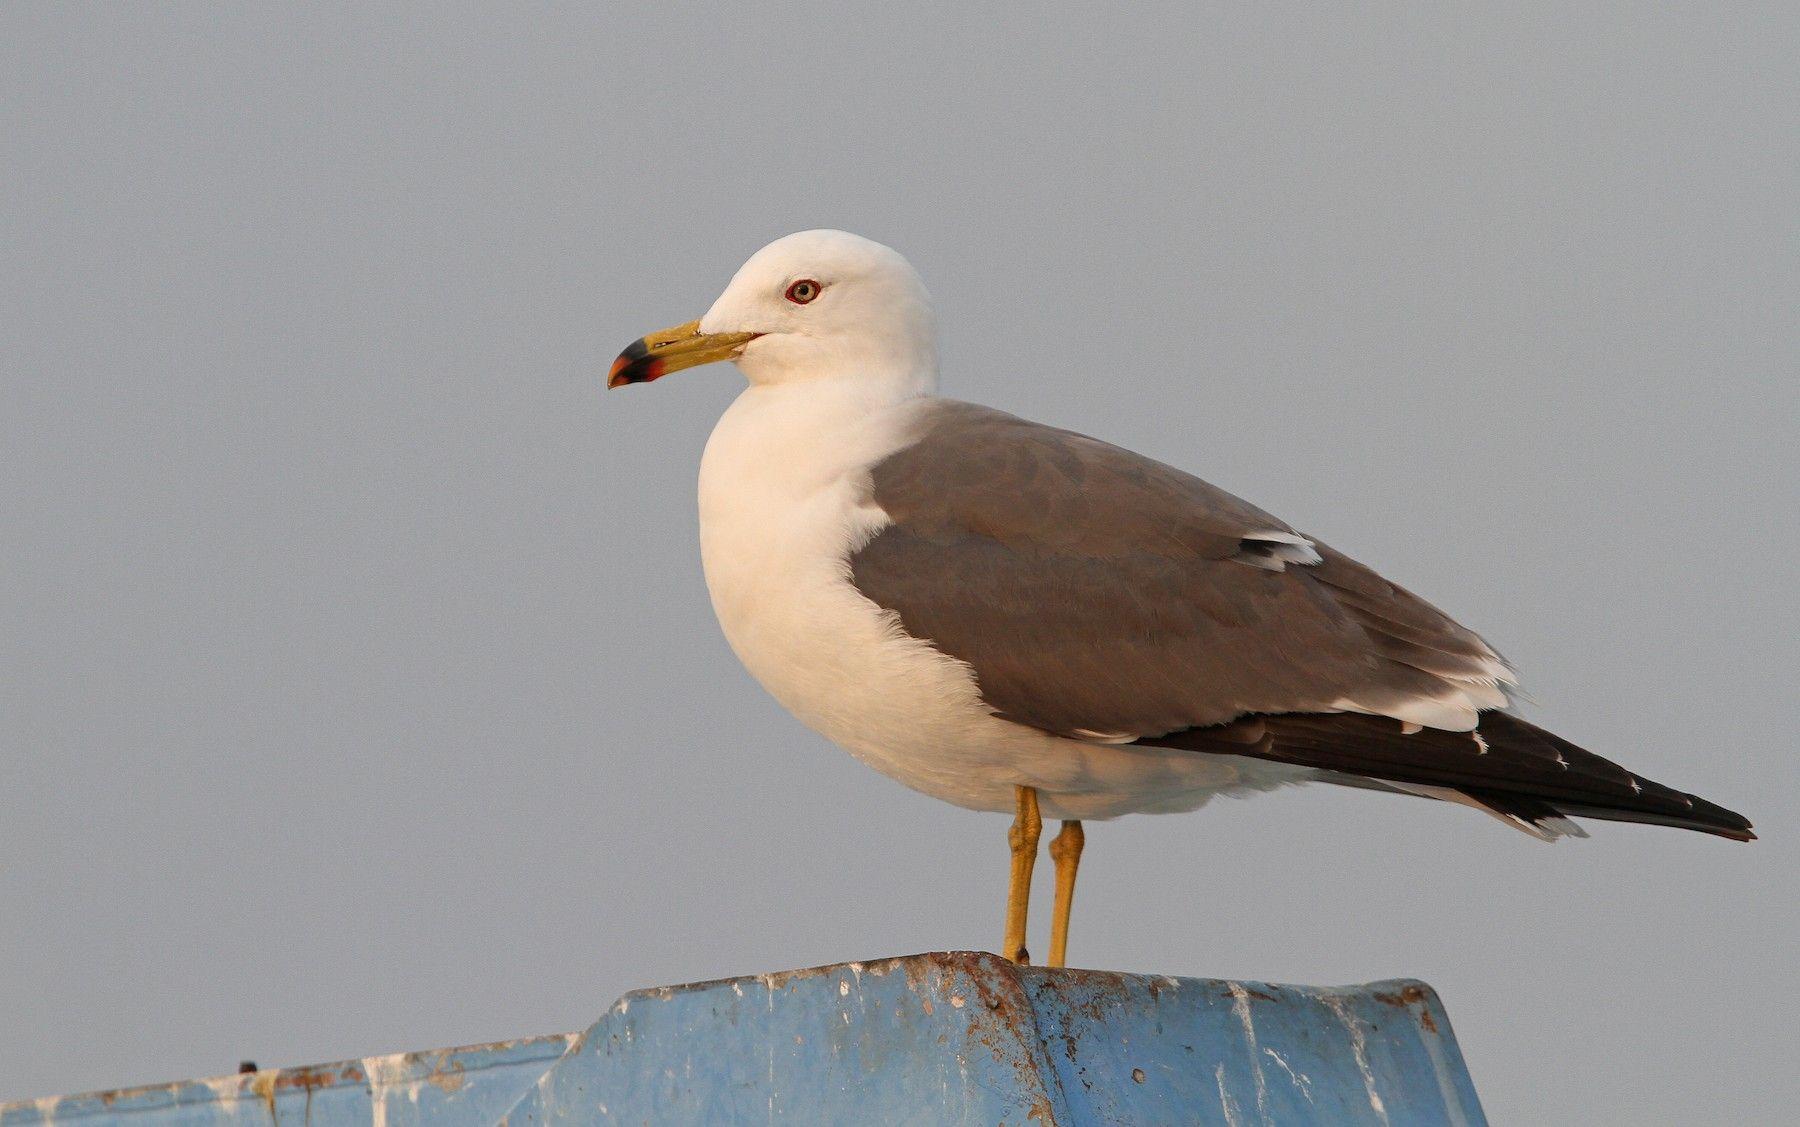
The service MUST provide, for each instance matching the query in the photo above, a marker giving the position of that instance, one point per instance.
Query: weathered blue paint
(939, 1038)
(473, 1085)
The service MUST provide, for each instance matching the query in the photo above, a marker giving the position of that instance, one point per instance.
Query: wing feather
(1091, 588)
(1101, 595)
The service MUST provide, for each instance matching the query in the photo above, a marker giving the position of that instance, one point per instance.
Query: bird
(1016, 618)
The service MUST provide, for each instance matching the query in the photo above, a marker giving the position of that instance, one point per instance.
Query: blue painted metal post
(938, 1038)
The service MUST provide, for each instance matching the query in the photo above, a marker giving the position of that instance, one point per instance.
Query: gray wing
(1099, 594)
(1095, 590)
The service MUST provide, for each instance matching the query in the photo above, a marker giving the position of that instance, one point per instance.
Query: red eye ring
(803, 291)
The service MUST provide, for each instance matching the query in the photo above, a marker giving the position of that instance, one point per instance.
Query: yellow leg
(1023, 839)
(1065, 850)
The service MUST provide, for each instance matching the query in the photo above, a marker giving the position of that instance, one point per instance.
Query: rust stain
(263, 1085)
(321, 1076)
(447, 1075)
(1406, 998)
(916, 971)
(1000, 992)
(268, 1084)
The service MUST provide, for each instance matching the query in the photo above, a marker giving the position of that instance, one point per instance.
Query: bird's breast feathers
(784, 503)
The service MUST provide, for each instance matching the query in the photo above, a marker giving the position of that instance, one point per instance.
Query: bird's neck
(790, 439)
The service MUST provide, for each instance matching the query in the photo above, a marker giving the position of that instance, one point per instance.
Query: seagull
(1020, 619)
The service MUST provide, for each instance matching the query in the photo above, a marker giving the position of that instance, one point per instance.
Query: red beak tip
(630, 370)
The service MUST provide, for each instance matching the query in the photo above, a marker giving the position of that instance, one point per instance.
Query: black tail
(1508, 766)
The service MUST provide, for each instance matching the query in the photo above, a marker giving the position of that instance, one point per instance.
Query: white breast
(783, 489)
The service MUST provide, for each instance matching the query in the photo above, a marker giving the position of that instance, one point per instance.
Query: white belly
(780, 509)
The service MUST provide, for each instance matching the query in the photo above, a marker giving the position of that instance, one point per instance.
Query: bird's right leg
(1023, 840)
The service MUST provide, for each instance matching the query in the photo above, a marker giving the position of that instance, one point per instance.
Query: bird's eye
(803, 291)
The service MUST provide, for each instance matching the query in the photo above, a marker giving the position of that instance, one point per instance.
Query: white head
(819, 304)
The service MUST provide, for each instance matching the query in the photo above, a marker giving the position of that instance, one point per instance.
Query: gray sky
(359, 690)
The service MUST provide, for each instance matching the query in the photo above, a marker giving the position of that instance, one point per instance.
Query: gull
(1019, 619)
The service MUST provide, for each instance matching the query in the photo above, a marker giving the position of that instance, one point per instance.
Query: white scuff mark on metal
(844, 988)
(1226, 1103)
(958, 1001)
(225, 1089)
(1359, 1047)
(738, 989)
(768, 982)
(385, 1075)
(1240, 1006)
(1300, 1079)
(46, 1108)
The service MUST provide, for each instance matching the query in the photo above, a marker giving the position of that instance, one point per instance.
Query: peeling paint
(1298, 1079)
(483, 1079)
(383, 1074)
(262, 1085)
(1359, 1047)
(1240, 1008)
(1015, 1044)
(1227, 1104)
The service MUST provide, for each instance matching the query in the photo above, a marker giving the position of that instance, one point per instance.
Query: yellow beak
(671, 350)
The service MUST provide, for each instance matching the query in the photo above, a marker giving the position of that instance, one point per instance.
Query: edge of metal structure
(473, 1084)
(945, 1037)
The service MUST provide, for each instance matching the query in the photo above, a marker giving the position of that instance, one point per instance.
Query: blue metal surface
(474, 1085)
(939, 1038)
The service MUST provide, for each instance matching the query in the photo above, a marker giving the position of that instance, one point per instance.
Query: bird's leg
(1065, 850)
(1023, 839)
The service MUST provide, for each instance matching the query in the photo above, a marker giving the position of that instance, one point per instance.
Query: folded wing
(1103, 595)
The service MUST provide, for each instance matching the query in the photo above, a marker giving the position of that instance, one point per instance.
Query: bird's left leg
(1065, 850)
(1022, 838)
